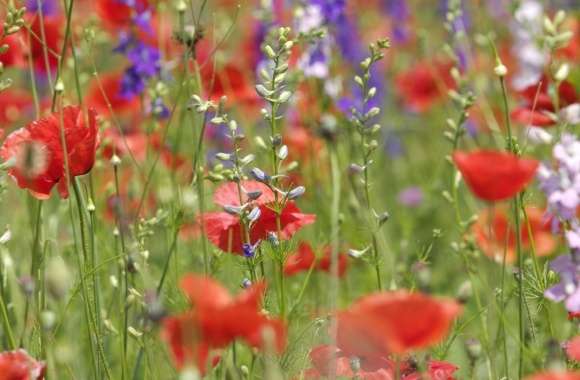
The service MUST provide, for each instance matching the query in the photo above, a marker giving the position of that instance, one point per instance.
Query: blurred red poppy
(13, 102)
(537, 103)
(573, 348)
(224, 230)
(132, 142)
(14, 55)
(422, 85)
(303, 145)
(233, 81)
(494, 175)
(116, 13)
(39, 162)
(555, 376)
(304, 258)
(108, 92)
(394, 323)
(495, 234)
(216, 319)
(371, 368)
(18, 365)
(46, 38)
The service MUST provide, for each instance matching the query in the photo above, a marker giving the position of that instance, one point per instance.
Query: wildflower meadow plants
(299, 189)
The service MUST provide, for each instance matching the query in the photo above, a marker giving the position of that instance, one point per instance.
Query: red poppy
(12, 104)
(302, 145)
(130, 143)
(424, 84)
(573, 349)
(46, 51)
(108, 92)
(18, 365)
(503, 235)
(371, 368)
(14, 55)
(38, 155)
(394, 322)
(216, 319)
(224, 230)
(115, 13)
(232, 81)
(304, 258)
(555, 376)
(493, 175)
(537, 104)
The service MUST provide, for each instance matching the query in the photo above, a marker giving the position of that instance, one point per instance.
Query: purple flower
(411, 196)
(48, 7)
(561, 184)
(249, 249)
(567, 290)
(399, 12)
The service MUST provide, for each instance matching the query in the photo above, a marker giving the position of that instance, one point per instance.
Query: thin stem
(517, 204)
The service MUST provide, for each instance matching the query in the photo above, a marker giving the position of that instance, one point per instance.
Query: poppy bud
(155, 310)
(58, 278)
(473, 348)
(59, 86)
(500, 70)
(131, 265)
(181, 7)
(47, 319)
(464, 292)
(26, 285)
(189, 373)
(115, 160)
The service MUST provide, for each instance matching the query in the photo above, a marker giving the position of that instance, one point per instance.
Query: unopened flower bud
(296, 192)
(500, 70)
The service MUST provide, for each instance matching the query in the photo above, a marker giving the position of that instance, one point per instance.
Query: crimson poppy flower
(537, 103)
(216, 319)
(108, 92)
(224, 230)
(555, 376)
(52, 42)
(39, 162)
(493, 175)
(304, 258)
(573, 349)
(394, 323)
(18, 365)
(424, 84)
(503, 235)
(13, 102)
(116, 13)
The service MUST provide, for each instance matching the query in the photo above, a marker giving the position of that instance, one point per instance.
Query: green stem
(516, 213)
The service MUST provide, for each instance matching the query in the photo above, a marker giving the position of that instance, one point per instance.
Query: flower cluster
(561, 184)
